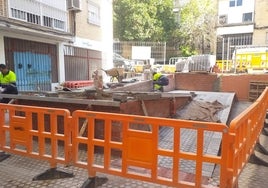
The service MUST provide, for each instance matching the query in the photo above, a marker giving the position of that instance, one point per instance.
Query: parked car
(119, 61)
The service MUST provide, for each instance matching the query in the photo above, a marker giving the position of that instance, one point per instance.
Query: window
(59, 24)
(33, 18)
(233, 3)
(93, 13)
(25, 16)
(247, 17)
(36, 17)
(18, 14)
(239, 2)
(69, 50)
(47, 21)
(53, 23)
(22, 15)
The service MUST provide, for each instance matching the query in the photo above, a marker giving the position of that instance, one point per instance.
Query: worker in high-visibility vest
(159, 80)
(7, 86)
(7, 82)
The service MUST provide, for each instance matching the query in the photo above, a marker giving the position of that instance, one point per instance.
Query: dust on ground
(198, 110)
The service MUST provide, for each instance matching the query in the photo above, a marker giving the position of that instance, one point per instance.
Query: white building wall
(235, 23)
(235, 30)
(235, 14)
(61, 64)
(60, 4)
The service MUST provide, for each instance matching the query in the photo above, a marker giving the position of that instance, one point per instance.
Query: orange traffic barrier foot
(94, 182)
(3, 156)
(53, 173)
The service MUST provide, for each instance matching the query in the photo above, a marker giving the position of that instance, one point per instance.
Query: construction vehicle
(246, 59)
(250, 59)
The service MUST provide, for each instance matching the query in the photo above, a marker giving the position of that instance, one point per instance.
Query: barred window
(26, 16)
(32, 18)
(53, 23)
(59, 24)
(18, 14)
(47, 21)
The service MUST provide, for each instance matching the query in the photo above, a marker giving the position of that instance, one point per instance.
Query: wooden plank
(63, 100)
(145, 112)
(172, 95)
(123, 96)
(11, 101)
(144, 108)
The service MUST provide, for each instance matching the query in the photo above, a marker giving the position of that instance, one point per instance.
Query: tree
(154, 20)
(196, 27)
(143, 20)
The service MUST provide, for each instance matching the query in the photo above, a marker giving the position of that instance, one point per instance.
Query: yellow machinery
(246, 59)
(171, 66)
(253, 58)
(141, 65)
(225, 65)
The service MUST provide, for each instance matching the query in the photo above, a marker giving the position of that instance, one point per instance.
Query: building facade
(260, 34)
(47, 42)
(235, 26)
(240, 23)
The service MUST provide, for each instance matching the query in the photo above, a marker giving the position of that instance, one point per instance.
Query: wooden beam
(63, 100)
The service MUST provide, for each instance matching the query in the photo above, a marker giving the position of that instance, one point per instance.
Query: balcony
(48, 13)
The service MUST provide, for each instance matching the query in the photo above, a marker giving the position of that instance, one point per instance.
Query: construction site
(87, 113)
(125, 130)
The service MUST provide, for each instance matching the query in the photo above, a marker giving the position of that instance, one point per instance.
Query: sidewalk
(254, 175)
(17, 172)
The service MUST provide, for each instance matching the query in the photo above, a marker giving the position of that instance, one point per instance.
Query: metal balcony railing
(48, 13)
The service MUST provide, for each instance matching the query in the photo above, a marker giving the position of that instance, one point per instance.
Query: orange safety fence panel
(135, 147)
(245, 130)
(37, 132)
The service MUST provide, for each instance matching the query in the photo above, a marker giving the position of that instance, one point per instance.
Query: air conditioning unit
(74, 5)
(223, 19)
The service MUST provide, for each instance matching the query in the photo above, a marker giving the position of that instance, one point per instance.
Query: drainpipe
(74, 23)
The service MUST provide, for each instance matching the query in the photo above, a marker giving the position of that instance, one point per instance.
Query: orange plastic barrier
(134, 146)
(41, 133)
(136, 153)
(244, 130)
